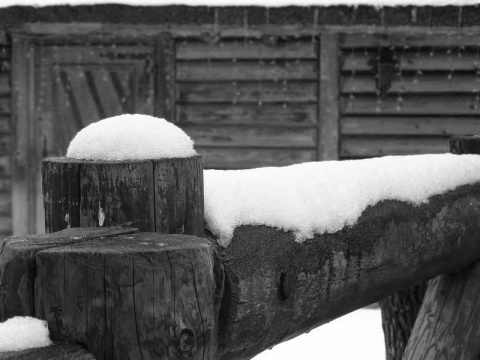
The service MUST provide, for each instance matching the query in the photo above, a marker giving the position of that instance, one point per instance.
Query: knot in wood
(186, 340)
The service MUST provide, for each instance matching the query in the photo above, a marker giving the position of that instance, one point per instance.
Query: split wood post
(448, 324)
(164, 195)
(18, 269)
(139, 296)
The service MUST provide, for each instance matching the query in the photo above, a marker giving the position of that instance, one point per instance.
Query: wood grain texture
(273, 70)
(245, 50)
(61, 193)
(53, 352)
(165, 77)
(149, 296)
(253, 92)
(288, 114)
(17, 265)
(448, 325)
(409, 39)
(272, 295)
(465, 144)
(115, 193)
(411, 125)
(328, 107)
(179, 203)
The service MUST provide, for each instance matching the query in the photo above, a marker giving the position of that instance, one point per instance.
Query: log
(448, 324)
(17, 265)
(53, 352)
(138, 296)
(277, 289)
(164, 195)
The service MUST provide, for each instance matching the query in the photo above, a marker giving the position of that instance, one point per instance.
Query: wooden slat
(80, 90)
(245, 50)
(71, 54)
(5, 123)
(165, 86)
(328, 105)
(354, 125)
(414, 84)
(412, 105)
(6, 184)
(371, 146)
(428, 39)
(252, 158)
(257, 92)
(5, 86)
(268, 114)
(5, 104)
(5, 144)
(252, 136)
(5, 224)
(6, 203)
(426, 60)
(247, 70)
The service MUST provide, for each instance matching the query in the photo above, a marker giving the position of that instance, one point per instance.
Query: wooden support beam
(17, 265)
(138, 296)
(448, 324)
(328, 98)
(277, 289)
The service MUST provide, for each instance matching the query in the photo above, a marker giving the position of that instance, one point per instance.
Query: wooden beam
(165, 77)
(53, 352)
(23, 167)
(277, 289)
(328, 99)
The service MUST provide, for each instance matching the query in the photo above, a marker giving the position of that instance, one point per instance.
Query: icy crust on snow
(130, 137)
(21, 333)
(323, 197)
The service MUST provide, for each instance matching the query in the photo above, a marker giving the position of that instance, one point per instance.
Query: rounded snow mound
(21, 333)
(130, 137)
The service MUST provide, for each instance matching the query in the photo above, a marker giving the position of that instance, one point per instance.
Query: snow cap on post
(130, 137)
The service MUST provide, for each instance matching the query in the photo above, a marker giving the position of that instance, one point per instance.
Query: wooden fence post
(164, 195)
(448, 324)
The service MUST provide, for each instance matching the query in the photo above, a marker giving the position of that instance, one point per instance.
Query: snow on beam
(277, 288)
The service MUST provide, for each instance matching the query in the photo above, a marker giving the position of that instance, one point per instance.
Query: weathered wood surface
(165, 77)
(399, 312)
(287, 114)
(448, 324)
(53, 352)
(251, 91)
(238, 158)
(439, 126)
(276, 70)
(139, 296)
(421, 104)
(277, 289)
(179, 203)
(411, 39)
(17, 265)
(250, 49)
(328, 121)
(164, 195)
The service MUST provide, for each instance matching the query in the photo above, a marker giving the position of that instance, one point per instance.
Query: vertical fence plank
(328, 97)
(165, 77)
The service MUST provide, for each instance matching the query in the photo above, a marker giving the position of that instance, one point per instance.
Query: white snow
(356, 336)
(130, 137)
(21, 333)
(265, 3)
(324, 197)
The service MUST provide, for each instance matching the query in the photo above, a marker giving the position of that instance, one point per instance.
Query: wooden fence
(122, 293)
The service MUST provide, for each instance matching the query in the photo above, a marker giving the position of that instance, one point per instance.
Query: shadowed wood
(140, 296)
(17, 265)
(114, 193)
(442, 39)
(179, 196)
(61, 193)
(271, 295)
(53, 352)
(448, 324)
(165, 77)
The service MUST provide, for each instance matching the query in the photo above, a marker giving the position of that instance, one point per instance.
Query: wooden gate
(69, 86)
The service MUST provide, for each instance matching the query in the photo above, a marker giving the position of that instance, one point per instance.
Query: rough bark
(17, 265)
(448, 324)
(54, 352)
(399, 312)
(164, 195)
(277, 289)
(140, 296)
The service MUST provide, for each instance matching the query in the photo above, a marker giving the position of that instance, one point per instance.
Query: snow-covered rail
(113, 292)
